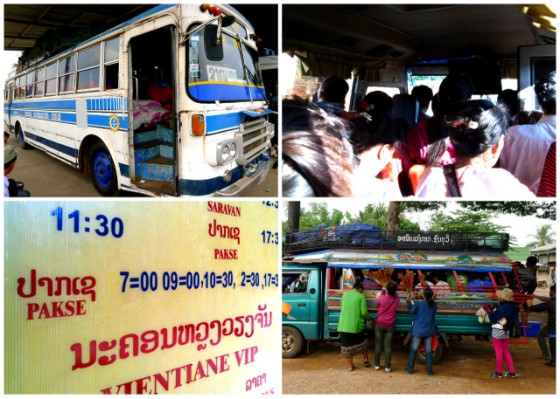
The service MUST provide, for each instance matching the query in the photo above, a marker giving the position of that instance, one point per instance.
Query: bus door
(8, 98)
(152, 110)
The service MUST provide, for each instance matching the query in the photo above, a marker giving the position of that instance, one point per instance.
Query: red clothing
(419, 146)
(387, 310)
(547, 187)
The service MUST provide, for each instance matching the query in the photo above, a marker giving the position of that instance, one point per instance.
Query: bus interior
(394, 47)
(385, 51)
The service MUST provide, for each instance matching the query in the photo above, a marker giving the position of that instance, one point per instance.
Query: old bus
(170, 102)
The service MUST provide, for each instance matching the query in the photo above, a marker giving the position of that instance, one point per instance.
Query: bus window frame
(89, 67)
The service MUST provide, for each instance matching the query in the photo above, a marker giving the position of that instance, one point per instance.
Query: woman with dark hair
(477, 131)
(317, 156)
(387, 304)
(423, 328)
(374, 137)
(428, 140)
(353, 311)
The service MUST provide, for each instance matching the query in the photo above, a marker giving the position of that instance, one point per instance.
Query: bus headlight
(226, 151)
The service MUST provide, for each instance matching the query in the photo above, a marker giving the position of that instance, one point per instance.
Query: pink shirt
(475, 182)
(387, 310)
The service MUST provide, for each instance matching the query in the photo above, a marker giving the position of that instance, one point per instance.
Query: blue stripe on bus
(217, 123)
(51, 105)
(206, 187)
(94, 120)
(73, 152)
(108, 104)
(197, 187)
(225, 92)
(63, 117)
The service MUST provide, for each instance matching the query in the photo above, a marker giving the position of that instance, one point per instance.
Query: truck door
(300, 305)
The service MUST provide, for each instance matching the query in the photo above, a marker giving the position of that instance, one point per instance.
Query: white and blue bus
(170, 102)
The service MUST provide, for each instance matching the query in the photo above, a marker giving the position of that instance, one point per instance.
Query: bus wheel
(292, 342)
(21, 138)
(436, 355)
(103, 172)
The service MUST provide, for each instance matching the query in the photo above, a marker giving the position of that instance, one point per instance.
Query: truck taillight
(198, 125)
(213, 10)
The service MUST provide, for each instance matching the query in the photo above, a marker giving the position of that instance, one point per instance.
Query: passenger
(423, 329)
(525, 117)
(317, 156)
(387, 304)
(423, 94)
(332, 95)
(477, 131)
(353, 311)
(548, 305)
(503, 319)
(508, 99)
(378, 100)
(441, 287)
(428, 140)
(526, 146)
(374, 137)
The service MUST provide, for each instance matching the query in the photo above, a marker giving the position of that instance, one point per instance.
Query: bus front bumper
(257, 177)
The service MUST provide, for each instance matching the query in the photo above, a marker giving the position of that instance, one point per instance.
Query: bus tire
(292, 342)
(103, 172)
(436, 355)
(21, 138)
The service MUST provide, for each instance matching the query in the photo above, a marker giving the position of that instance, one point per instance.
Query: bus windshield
(230, 76)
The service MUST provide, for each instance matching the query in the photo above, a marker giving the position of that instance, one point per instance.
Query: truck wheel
(436, 355)
(292, 342)
(103, 172)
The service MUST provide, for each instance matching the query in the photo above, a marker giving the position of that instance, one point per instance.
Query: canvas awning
(402, 259)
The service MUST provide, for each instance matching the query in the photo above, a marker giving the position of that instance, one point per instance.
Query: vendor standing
(353, 312)
(549, 305)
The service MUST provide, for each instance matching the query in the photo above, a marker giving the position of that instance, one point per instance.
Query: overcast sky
(9, 58)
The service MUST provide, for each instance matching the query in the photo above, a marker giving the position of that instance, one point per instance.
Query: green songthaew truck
(464, 271)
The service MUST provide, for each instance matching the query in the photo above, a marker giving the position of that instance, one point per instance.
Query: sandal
(351, 368)
(366, 364)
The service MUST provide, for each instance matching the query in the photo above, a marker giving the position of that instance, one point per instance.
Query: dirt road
(464, 370)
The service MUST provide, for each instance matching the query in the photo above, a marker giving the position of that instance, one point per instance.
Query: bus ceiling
(340, 37)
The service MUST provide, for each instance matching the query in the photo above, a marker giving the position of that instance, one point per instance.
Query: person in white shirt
(526, 146)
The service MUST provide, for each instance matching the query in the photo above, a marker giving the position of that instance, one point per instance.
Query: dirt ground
(463, 369)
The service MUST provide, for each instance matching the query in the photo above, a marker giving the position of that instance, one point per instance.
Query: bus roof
(412, 260)
(144, 15)
(408, 33)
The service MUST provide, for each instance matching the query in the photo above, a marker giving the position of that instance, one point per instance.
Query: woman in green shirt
(353, 311)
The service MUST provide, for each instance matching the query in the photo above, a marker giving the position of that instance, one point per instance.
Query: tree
(464, 221)
(543, 236)
(540, 209)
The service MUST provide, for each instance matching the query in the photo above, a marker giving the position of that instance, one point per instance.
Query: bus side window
(111, 62)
